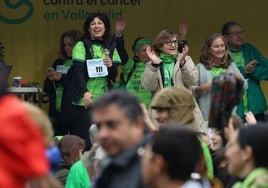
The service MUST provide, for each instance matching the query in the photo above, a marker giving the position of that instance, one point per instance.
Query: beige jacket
(185, 76)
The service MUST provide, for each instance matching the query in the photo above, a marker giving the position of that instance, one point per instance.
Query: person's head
(216, 139)
(234, 123)
(98, 27)
(160, 161)
(173, 104)
(215, 51)
(166, 42)
(247, 149)
(139, 48)
(42, 120)
(119, 120)
(219, 159)
(71, 147)
(233, 34)
(67, 41)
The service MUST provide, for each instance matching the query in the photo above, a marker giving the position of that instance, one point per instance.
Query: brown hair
(206, 58)
(74, 35)
(161, 38)
(71, 147)
(237, 121)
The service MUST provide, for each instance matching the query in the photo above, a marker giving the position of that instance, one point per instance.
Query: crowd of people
(155, 119)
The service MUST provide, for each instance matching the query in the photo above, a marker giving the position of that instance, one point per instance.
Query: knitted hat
(179, 101)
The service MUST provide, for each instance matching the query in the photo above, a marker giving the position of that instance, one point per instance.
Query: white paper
(96, 68)
(62, 69)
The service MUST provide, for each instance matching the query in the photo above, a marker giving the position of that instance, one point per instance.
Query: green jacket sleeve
(250, 53)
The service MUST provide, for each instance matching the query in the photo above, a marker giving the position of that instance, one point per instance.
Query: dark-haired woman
(55, 81)
(94, 59)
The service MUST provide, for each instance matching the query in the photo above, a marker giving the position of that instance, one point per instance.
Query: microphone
(107, 52)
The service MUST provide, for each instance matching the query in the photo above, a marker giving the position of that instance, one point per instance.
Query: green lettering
(51, 16)
(65, 14)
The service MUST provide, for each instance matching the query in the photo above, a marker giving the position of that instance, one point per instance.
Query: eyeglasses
(169, 43)
(235, 33)
(145, 153)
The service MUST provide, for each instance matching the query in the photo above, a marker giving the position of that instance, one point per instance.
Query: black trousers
(82, 123)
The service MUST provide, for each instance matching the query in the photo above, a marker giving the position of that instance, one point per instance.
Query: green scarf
(168, 66)
(168, 58)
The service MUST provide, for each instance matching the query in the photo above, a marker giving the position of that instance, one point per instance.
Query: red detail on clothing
(22, 146)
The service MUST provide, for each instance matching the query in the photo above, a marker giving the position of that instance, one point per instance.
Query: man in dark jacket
(120, 122)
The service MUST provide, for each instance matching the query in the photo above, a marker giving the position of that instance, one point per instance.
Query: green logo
(16, 6)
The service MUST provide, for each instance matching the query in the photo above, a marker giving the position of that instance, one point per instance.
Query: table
(29, 93)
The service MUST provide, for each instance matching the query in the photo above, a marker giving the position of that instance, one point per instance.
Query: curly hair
(206, 56)
(74, 35)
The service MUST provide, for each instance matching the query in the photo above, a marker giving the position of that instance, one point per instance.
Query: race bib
(96, 68)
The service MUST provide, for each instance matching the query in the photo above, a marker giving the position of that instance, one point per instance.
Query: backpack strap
(88, 47)
(130, 73)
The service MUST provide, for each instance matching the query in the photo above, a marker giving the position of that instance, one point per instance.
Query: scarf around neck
(168, 58)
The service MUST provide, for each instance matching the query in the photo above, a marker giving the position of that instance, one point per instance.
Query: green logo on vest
(15, 6)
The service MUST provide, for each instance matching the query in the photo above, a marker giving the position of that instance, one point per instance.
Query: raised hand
(183, 28)
(250, 118)
(120, 25)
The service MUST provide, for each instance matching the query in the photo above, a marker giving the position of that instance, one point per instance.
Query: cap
(179, 101)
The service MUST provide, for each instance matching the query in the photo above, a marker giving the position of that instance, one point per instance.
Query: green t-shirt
(215, 71)
(134, 83)
(59, 90)
(78, 176)
(96, 86)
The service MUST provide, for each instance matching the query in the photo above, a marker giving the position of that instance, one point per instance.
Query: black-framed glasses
(236, 33)
(170, 42)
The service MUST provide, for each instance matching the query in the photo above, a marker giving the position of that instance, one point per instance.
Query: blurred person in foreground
(121, 131)
(164, 168)
(248, 157)
(23, 146)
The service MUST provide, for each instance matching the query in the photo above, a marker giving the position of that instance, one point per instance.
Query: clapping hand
(250, 67)
(152, 55)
